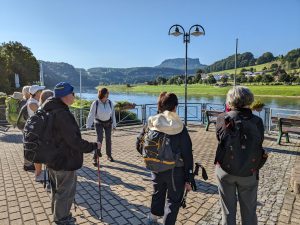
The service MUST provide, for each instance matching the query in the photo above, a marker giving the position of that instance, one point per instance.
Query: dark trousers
(163, 186)
(107, 129)
(246, 188)
(63, 185)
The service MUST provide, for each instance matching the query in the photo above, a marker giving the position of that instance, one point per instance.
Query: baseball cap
(35, 88)
(63, 89)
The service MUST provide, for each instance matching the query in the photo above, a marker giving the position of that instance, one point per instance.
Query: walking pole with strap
(196, 172)
(99, 186)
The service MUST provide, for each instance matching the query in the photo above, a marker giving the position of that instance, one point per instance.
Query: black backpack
(38, 138)
(156, 149)
(239, 151)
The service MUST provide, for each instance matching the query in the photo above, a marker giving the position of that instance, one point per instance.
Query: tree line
(274, 74)
(290, 61)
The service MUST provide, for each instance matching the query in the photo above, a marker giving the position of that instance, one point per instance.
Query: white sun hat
(35, 88)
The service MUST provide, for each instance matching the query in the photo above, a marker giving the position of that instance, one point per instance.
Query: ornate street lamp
(199, 30)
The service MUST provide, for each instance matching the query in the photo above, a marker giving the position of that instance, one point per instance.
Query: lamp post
(199, 30)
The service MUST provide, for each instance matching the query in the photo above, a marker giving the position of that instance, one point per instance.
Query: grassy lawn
(259, 90)
(257, 68)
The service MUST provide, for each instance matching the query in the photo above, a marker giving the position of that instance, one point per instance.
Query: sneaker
(29, 168)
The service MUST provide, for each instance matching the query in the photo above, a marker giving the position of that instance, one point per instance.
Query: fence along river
(146, 105)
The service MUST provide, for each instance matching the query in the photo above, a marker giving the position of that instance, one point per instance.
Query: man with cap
(62, 171)
(32, 106)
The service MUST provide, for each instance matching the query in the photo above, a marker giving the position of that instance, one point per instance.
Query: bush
(257, 105)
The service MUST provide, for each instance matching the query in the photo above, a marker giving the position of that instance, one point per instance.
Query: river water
(145, 98)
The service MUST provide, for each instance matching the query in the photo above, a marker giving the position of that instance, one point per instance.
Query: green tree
(198, 77)
(161, 80)
(19, 59)
(224, 79)
(250, 79)
(267, 78)
(284, 77)
(258, 78)
(265, 58)
(241, 78)
(274, 66)
(211, 79)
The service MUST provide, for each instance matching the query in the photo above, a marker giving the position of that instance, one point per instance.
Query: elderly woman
(239, 157)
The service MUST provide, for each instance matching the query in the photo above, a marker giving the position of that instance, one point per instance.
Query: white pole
(80, 85)
(235, 63)
(41, 74)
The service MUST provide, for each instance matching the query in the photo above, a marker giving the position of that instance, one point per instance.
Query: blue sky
(129, 33)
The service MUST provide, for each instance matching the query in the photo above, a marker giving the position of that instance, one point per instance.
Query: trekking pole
(99, 186)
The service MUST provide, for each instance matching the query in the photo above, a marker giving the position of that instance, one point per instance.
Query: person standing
(32, 106)
(239, 157)
(62, 171)
(28, 166)
(102, 114)
(170, 184)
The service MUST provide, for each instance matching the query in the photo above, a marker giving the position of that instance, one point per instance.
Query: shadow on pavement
(205, 187)
(147, 174)
(106, 178)
(11, 138)
(113, 205)
(281, 151)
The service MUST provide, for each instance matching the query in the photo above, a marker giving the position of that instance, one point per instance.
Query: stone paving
(126, 187)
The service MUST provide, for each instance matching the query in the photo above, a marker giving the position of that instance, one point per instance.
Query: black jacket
(67, 138)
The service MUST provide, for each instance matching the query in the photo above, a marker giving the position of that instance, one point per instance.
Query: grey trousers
(229, 187)
(63, 185)
(107, 129)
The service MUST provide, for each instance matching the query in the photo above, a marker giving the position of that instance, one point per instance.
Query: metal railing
(141, 113)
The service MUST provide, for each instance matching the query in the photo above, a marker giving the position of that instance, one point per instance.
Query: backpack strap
(97, 103)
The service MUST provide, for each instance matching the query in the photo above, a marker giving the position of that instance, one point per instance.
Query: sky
(134, 33)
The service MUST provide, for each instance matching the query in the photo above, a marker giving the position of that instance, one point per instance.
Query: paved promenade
(126, 186)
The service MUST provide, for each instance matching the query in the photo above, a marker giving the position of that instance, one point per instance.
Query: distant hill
(179, 63)
(55, 72)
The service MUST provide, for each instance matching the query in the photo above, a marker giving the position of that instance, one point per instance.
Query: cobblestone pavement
(126, 187)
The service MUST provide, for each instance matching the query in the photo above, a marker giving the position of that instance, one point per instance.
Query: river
(145, 98)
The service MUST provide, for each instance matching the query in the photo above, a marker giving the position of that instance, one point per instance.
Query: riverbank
(200, 89)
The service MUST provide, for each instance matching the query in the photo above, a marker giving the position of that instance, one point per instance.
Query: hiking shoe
(29, 168)
(110, 158)
(71, 219)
